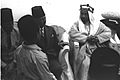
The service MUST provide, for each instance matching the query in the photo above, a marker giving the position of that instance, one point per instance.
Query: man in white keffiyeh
(87, 33)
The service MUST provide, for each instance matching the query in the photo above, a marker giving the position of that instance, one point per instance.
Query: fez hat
(38, 12)
(6, 15)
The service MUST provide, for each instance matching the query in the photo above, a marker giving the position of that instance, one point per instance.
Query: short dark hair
(28, 28)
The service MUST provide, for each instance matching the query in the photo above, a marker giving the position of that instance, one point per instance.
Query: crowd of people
(32, 50)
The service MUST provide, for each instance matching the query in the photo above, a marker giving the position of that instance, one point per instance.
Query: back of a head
(104, 64)
(28, 28)
(105, 56)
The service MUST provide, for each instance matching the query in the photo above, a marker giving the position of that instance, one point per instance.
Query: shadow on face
(84, 16)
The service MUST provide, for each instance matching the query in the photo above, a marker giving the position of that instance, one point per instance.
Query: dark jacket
(49, 43)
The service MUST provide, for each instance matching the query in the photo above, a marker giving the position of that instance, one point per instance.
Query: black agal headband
(87, 8)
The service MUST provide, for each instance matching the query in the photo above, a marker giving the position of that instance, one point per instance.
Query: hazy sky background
(60, 12)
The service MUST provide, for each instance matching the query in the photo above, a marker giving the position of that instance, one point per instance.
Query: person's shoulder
(50, 28)
(40, 55)
(47, 26)
(60, 28)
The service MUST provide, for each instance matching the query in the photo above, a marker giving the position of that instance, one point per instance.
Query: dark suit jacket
(49, 43)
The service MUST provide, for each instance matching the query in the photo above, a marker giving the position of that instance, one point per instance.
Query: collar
(33, 46)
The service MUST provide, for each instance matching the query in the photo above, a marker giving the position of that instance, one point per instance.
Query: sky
(60, 12)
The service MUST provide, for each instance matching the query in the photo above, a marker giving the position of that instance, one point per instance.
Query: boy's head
(28, 29)
(7, 19)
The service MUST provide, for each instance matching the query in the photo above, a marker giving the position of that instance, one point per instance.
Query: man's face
(84, 16)
(41, 21)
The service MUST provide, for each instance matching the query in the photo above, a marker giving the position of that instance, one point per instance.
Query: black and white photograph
(60, 39)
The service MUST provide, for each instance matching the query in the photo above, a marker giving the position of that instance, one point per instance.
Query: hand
(92, 39)
(62, 44)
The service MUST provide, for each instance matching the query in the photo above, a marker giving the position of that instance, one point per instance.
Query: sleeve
(43, 69)
(76, 35)
(103, 33)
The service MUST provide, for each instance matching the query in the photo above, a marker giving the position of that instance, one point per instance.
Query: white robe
(79, 33)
